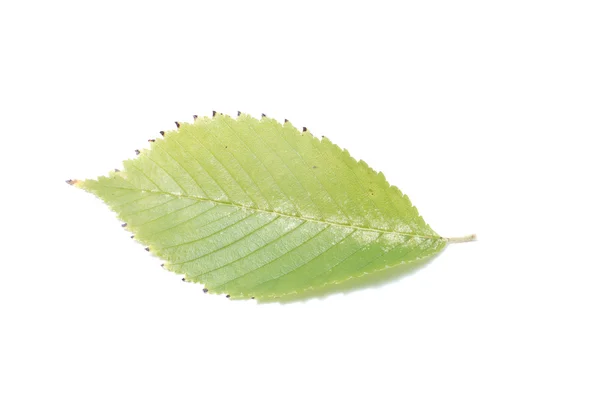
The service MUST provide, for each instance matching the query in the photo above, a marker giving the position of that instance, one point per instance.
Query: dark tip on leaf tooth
(178, 124)
(117, 170)
(162, 265)
(263, 115)
(214, 113)
(162, 133)
(227, 296)
(132, 236)
(124, 225)
(147, 249)
(239, 113)
(304, 129)
(137, 152)
(285, 121)
(151, 140)
(183, 279)
(252, 298)
(195, 117)
(205, 290)
(71, 182)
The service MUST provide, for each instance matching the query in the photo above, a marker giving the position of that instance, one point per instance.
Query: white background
(485, 113)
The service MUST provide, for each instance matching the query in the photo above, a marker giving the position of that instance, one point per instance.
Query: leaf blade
(253, 208)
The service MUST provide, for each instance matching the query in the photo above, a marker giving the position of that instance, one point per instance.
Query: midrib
(332, 223)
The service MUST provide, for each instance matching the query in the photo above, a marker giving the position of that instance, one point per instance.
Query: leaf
(253, 208)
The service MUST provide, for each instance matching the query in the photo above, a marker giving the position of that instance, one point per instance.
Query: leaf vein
(276, 258)
(254, 251)
(190, 219)
(234, 178)
(184, 168)
(308, 261)
(261, 162)
(294, 217)
(232, 243)
(340, 207)
(167, 214)
(207, 236)
(146, 209)
(168, 174)
(291, 172)
(205, 168)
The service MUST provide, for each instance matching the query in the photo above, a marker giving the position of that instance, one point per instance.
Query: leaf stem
(466, 238)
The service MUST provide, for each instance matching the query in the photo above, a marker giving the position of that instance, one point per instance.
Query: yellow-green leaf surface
(256, 208)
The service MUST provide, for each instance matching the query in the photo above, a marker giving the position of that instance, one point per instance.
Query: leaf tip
(73, 182)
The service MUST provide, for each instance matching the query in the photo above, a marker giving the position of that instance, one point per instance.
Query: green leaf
(253, 208)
